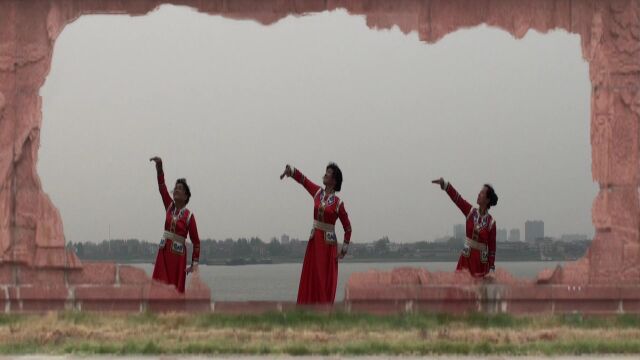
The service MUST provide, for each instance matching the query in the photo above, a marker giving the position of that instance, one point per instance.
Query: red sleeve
(346, 224)
(166, 198)
(195, 239)
(460, 202)
(308, 184)
(492, 245)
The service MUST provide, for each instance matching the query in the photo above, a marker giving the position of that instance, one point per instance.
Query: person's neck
(483, 210)
(329, 190)
(179, 204)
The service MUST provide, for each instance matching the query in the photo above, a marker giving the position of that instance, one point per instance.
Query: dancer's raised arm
(460, 202)
(290, 171)
(166, 198)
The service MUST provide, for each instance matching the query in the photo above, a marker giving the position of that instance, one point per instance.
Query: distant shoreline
(254, 251)
(358, 261)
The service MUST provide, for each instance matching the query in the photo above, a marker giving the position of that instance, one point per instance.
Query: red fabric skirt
(319, 277)
(171, 267)
(473, 264)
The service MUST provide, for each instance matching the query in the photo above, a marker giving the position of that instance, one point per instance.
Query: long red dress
(171, 261)
(319, 277)
(479, 253)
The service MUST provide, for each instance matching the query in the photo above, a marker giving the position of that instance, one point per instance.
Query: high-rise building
(533, 229)
(514, 235)
(501, 235)
(459, 231)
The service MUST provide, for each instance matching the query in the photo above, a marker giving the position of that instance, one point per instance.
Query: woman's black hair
(491, 195)
(337, 175)
(183, 181)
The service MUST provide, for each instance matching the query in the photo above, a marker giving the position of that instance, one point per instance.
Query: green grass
(277, 333)
(146, 317)
(595, 322)
(577, 347)
(342, 320)
(20, 348)
(77, 317)
(496, 321)
(8, 319)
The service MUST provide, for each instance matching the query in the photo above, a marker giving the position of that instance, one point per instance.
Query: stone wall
(31, 230)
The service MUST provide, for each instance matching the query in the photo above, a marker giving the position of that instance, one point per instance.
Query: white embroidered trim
(470, 212)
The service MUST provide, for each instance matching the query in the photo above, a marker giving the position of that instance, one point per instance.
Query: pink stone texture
(129, 275)
(98, 273)
(31, 232)
(96, 286)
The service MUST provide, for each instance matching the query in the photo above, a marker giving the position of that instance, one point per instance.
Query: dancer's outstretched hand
(158, 162)
(491, 276)
(192, 268)
(439, 182)
(288, 171)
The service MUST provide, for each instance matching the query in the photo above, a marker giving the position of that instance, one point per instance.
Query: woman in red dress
(171, 262)
(479, 253)
(319, 276)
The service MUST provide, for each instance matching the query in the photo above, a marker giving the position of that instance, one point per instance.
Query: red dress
(319, 277)
(479, 253)
(171, 262)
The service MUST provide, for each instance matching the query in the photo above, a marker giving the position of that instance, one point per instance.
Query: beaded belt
(174, 237)
(476, 245)
(323, 226)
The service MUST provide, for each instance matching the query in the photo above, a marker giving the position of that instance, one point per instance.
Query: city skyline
(506, 234)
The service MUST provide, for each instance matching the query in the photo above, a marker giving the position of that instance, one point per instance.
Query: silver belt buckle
(330, 238)
(177, 247)
(484, 256)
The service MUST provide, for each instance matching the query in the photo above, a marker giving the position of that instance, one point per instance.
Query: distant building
(284, 239)
(514, 235)
(394, 247)
(573, 237)
(442, 239)
(501, 235)
(459, 231)
(533, 229)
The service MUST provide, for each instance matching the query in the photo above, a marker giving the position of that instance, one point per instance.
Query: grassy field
(303, 333)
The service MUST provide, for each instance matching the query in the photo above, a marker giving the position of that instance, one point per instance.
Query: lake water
(279, 282)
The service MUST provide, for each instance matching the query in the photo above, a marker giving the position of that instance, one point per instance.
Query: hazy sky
(228, 103)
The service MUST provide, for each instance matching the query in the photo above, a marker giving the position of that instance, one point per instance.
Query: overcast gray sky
(228, 103)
